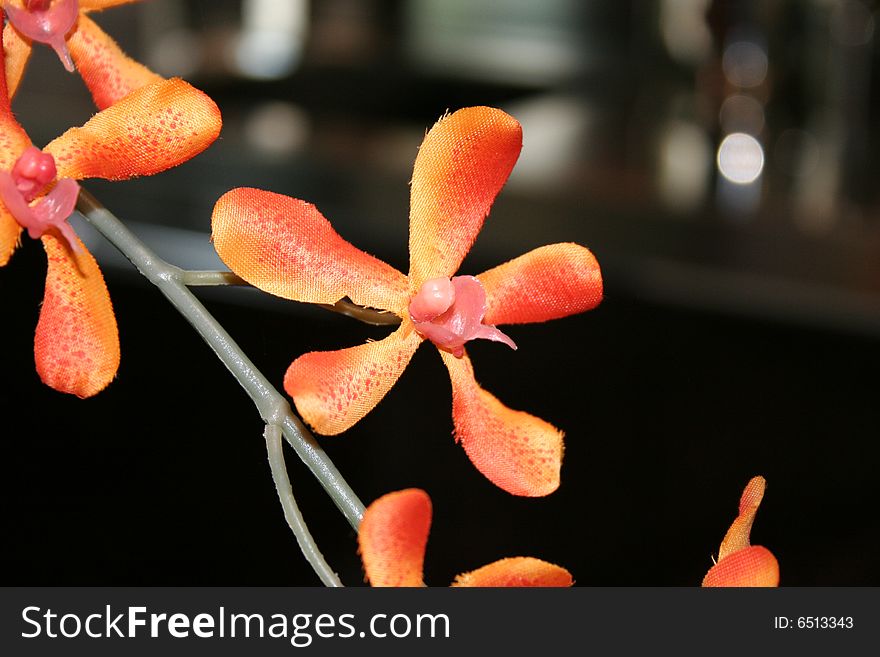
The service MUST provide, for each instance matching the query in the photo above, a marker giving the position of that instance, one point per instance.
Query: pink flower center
(30, 176)
(450, 313)
(46, 21)
(32, 172)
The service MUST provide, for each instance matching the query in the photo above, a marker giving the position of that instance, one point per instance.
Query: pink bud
(433, 299)
(33, 171)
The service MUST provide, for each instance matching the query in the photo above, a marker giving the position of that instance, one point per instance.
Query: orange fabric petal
(460, 168)
(97, 5)
(152, 129)
(332, 390)
(516, 451)
(13, 142)
(76, 345)
(10, 234)
(516, 571)
(286, 247)
(18, 51)
(392, 538)
(13, 138)
(752, 566)
(550, 282)
(108, 72)
(737, 536)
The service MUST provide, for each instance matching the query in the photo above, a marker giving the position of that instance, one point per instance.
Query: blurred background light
(740, 158)
(685, 32)
(272, 37)
(741, 113)
(745, 64)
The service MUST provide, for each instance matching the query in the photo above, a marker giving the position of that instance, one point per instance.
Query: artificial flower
(76, 346)
(394, 533)
(284, 246)
(739, 562)
(64, 25)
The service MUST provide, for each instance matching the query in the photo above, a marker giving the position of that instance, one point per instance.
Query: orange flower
(156, 127)
(739, 562)
(64, 25)
(286, 247)
(393, 535)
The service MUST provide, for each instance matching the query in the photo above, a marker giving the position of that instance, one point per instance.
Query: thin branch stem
(273, 408)
(294, 518)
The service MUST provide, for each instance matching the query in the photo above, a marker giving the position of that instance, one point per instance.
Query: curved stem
(273, 408)
(294, 518)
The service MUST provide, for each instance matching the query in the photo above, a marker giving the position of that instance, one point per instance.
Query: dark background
(740, 334)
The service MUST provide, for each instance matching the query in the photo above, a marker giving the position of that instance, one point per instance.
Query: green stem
(294, 518)
(273, 408)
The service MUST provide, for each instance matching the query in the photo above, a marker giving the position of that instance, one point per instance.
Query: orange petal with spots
(152, 129)
(553, 281)
(18, 51)
(10, 234)
(516, 571)
(97, 5)
(286, 247)
(108, 72)
(516, 451)
(332, 390)
(752, 566)
(737, 536)
(76, 345)
(13, 142)
(13, 138)
(392, 538)
(461, 166)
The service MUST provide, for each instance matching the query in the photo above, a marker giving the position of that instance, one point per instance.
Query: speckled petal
(108, 72)
(18, 51)
(737, 536)
(150, 130)
(10, 235)
(332, 390)
(286, 247)
(516, 571)
(392, 538)
(13, 142)
(752, 566)
(461, 166)
(516, 451)
(550, 282)
(76, 346)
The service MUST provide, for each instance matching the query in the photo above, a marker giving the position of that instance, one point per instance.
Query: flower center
(30, 175)
(450, 313)
(32, 172)
(47, 22)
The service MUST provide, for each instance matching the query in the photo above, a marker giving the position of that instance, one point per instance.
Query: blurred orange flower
(284, 246)
(393, 535)
(739, 562)
(65, 26)
(159, 126)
